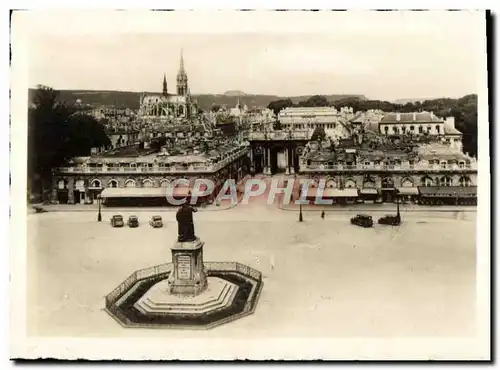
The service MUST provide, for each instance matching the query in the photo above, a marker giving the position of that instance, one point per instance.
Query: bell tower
(182, 80)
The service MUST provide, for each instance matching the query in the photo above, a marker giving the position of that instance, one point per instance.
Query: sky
(382, 55)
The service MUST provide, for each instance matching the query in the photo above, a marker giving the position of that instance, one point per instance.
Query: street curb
(139, 209)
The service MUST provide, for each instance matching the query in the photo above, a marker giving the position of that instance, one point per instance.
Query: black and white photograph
(261, 185)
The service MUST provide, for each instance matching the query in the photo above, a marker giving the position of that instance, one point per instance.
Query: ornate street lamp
(99, 216)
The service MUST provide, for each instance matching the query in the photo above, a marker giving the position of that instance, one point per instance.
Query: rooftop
(416, 117)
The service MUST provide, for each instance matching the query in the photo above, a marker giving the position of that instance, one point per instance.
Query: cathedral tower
(182, 80)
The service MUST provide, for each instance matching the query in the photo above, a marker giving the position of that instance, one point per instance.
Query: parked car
(117, 221)
(156, 221)
(362, 220)
(392, 220)
(133, 221)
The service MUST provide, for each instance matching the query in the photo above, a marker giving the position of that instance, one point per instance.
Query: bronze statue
(185, 223)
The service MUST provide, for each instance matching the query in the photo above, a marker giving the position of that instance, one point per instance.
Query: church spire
(181, 69)
(182, 80)
(165, 90)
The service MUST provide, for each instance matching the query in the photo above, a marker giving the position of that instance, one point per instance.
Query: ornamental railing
(174, 168)
(279, 135)
(393, 168)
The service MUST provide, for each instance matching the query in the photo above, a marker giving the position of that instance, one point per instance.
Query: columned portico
(279, 150)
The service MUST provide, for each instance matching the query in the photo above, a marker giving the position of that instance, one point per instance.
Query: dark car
(117, 221)
(133, 221)
(392, 220)
(156, 221)
(362, 220)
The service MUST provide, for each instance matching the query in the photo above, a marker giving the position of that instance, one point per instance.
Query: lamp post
(301, 219)
(99, 216)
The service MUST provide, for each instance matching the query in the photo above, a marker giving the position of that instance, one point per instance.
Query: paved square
(321, 277)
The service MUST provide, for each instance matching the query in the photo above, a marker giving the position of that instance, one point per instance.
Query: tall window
(465, 181)
(426, 181)
(420, 130)
(445, 181)
(96, 184)
(437, 129)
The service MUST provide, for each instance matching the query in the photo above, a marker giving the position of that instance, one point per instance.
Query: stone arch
(407, 182)
(113, 183)
(369, 182)
(164, 183)
(387, 182)
(96, 183)
(331, 183)
(130, 183)
(426, 181)
(350, 183)
(147, 183)
(465, 181)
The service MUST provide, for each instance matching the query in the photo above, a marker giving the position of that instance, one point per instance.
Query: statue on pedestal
(185, 223)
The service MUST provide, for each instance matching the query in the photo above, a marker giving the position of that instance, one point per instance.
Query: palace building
(362, 173)
(144, 171)
(334, 122)
(167, 105)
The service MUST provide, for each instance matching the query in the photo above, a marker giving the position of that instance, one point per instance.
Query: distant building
(420, 124)
(334, 122)
(166, 104)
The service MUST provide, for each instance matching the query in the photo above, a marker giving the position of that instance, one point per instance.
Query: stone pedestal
(188, 276)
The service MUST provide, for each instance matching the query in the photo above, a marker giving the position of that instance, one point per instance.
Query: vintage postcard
(222, 185)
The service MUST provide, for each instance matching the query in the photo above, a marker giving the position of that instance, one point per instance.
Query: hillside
(129, 99)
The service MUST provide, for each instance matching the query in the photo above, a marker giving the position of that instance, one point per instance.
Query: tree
(315, 101)
(318, 134)
(56, 133)
(280, 104)
(215, 108)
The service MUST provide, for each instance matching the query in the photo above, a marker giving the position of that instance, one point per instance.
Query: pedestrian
(323, 214)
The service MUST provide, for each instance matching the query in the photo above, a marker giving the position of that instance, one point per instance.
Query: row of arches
(388, 182)
(445, 181)
(113, 183)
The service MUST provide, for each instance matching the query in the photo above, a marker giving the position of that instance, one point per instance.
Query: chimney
(398, 117)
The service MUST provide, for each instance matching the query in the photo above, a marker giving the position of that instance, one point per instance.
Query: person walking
(323, 215)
